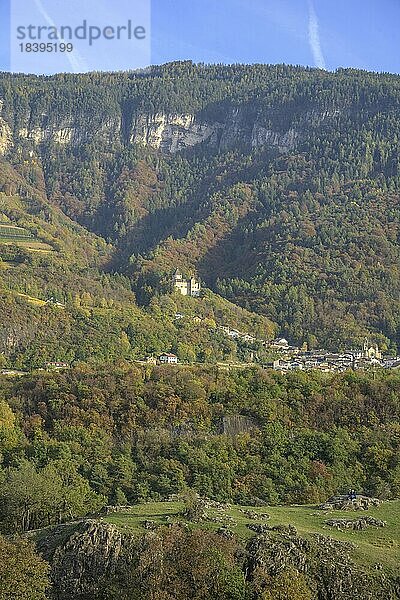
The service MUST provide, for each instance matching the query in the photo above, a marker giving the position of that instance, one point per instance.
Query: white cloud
(313, 36)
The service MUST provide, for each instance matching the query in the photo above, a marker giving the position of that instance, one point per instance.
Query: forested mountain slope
(61, 301)
(278, 185)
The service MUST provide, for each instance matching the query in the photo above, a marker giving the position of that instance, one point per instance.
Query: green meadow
(372, 545)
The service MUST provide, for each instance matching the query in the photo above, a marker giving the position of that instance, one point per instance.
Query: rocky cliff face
(5, 133)
(172, 133)
(240, 125)
(167, 132)
(67, 131)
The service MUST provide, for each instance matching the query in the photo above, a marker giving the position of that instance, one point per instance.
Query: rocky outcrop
(82, 556)
(5, 133)
(5, 136)
(355, 524)
(171, 132)
(349, 502)
(251, 514)
(326, 563)
(265, 137)
(87, 556)
(68, 131)
(233, 425)
(261, 528)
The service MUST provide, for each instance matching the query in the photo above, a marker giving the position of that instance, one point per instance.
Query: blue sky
(326, 33)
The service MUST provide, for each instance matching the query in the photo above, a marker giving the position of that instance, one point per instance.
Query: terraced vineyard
(12, 234)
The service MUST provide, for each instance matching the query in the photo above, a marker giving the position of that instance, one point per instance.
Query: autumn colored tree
(23, 574)
(288, 584)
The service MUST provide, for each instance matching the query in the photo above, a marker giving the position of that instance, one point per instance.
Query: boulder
(355, 524)
(349, 502)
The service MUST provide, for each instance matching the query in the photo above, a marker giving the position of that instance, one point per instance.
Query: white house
(168, 359)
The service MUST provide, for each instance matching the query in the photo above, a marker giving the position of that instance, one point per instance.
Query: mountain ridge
(240, 173)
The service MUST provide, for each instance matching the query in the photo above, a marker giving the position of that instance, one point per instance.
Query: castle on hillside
(187, 287)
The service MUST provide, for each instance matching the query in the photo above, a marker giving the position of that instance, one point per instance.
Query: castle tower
(178, 275)
(180, 283)
(194, 287)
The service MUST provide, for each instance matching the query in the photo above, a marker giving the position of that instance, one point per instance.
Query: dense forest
(278, 185)
(72, 442)
(60, 299)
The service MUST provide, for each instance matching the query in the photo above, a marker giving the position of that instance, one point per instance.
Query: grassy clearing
(42, 250)
(32, 299)
(373, 545)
